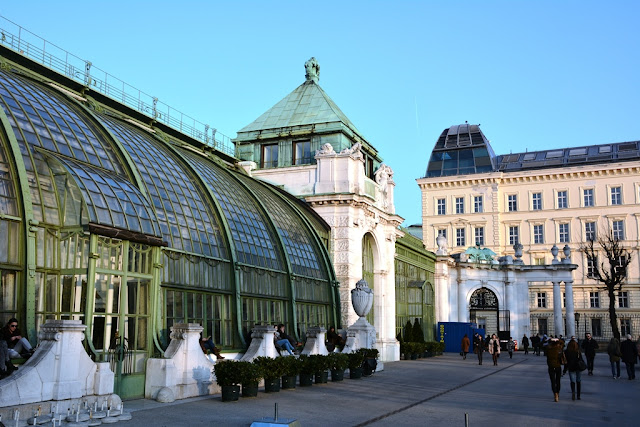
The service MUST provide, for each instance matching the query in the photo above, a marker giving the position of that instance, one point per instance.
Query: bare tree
(610, 272)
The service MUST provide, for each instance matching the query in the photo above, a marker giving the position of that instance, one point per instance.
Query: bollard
(466, 420)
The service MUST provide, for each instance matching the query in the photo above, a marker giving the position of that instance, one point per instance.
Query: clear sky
(535, 75)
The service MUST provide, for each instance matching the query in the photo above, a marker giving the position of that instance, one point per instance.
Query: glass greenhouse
(115, 219)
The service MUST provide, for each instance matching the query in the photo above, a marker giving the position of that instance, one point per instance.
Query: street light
(577, 317)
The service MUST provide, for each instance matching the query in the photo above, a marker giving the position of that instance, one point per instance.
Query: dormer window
(302, 152)
(269, 156)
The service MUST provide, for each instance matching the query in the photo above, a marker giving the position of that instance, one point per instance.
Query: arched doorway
(484, 310)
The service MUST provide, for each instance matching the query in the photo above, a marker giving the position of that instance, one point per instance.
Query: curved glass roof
(113, 201)
(461, 150)
(185, 218)
(303, 251)
(45, 119)
(252, 234)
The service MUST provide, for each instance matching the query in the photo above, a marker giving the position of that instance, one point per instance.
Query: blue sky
(535, 75)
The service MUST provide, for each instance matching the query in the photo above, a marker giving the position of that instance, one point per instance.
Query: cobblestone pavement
(435, 391)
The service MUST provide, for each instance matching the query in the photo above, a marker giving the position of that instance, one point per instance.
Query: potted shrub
(307, 370)
(355, 364)
(370, 361)
(228, 376)
(338, 362)
(290, 371)
(251, 374)
(320, 364)
(272, 371)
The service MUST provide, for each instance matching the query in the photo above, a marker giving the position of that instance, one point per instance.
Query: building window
(538, 233)
(477, 204)
(460, 240)
(590, 231)
(542, 326)
(618, 230)
(542, 300)
(594, 299)
(621, 266)
(441, 232)
(596, 327)
(302, 153)
(616, 195)
(592, 265)
(459, 205)
(562, 200)
(623, 299)
(536, 201)
(563, 233)
(538, 261)
(512, 202)
(625, 328)
(514, 235)
(587, 197)
(479, 236)
(269, 156)
(442, 207)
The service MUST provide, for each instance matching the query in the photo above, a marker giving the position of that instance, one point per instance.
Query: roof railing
(48, 54)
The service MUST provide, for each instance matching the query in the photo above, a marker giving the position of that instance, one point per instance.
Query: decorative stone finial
(554, 252)
(312, 70)
(362, 298)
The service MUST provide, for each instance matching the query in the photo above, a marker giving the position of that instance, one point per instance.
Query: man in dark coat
(478, 346)
(629, 357)
(589, 347)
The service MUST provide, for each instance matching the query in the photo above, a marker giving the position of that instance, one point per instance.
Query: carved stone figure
(325, 150)
(355, 148)
(312, 69)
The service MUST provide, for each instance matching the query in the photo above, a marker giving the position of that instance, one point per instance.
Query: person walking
(464, 346)
(535, 341)
(573, 354)
(629, 357)
(511, 346)
(589, 346)
(613, 349)
(478, 347)
(494, 349)
(525, 343)
(553, 352)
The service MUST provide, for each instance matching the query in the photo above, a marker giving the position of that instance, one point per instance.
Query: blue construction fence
(451, 333)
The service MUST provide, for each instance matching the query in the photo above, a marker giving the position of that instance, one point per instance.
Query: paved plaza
(426, 392)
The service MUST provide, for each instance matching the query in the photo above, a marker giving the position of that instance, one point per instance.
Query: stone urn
(362, 298)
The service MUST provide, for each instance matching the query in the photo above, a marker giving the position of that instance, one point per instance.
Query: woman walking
(573, 355)
(554, 365)
(464, 346)
(494, 348)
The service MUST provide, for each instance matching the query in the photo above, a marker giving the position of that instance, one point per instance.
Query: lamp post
(577, 317)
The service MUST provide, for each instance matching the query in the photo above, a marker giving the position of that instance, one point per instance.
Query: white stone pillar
(571, 320)
(463, 313)
(557, 309)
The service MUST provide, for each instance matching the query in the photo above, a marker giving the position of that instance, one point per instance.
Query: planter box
(355, 374)
(288, 382)
(230, 393)
(337, 375)
(322, 377)
(272, 385)
(250, 390)
(306, 380)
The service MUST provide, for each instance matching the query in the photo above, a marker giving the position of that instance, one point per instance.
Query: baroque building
(564, 196)
(307, 145)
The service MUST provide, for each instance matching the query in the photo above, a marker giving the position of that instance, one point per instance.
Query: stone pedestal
(261, 343)
(315, 341)
(59, 370)
(360, 335)
(185, 371)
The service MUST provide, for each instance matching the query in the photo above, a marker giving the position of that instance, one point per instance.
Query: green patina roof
(307, 104)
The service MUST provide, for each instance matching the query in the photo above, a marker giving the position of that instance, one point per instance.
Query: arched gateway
(484, 310)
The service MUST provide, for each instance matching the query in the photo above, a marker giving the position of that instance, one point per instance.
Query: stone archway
(484, 310)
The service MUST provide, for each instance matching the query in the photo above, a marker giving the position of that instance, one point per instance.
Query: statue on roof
(312, 69)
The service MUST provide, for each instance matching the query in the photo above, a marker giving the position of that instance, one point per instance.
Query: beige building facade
(539, 199)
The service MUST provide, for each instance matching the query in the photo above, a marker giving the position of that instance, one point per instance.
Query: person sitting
(6, 367)
(334, 339)
(18, 346)
(284, 341)
(207, 344)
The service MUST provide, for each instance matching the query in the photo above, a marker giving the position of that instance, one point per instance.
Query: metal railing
(48, 54)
